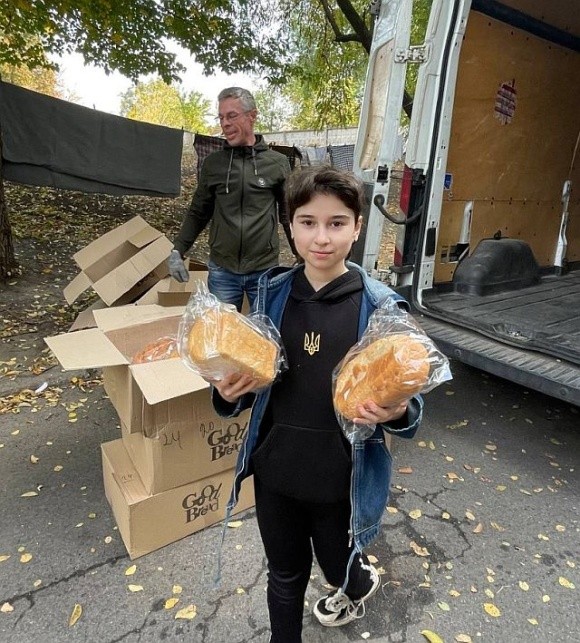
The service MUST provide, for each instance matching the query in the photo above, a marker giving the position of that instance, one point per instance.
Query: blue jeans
(230, 287)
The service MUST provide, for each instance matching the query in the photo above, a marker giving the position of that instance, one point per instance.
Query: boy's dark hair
(303, 184)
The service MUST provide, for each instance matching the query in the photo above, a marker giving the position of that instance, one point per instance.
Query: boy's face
(324, 230)
(237, 125)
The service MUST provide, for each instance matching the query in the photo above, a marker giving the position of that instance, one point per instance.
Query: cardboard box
(146, 396)
(169, 292)
(121, 264)
(181, 452)
(148, 522)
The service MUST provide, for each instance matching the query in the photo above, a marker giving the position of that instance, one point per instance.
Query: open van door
(488, 242)
(378, 144)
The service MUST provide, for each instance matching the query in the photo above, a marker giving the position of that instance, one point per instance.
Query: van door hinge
(415, 54)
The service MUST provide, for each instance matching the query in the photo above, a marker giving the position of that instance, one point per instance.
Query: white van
(488, 248)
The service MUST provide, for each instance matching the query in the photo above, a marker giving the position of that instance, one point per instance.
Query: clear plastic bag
(393, 361)
(214, 340)
(162, 348)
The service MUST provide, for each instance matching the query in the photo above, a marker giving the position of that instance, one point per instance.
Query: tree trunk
(7, 259)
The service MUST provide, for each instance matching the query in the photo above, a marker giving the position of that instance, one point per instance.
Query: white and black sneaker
(336, 609)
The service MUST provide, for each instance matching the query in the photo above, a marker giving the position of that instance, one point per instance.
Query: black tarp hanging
(51, 142)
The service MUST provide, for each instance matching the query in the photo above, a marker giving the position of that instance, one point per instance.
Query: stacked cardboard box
(171, 472)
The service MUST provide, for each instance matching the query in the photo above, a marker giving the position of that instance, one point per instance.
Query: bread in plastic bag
(162, 348)
(393, 361)
(214, 340)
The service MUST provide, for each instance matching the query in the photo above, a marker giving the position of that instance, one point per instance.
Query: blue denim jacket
(371, 459)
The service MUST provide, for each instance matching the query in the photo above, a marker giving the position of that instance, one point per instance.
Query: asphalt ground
(480, 543)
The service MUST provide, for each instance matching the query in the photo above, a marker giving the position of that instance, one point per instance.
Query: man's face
(237, 124)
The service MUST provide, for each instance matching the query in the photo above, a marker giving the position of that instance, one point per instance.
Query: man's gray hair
(246, 98)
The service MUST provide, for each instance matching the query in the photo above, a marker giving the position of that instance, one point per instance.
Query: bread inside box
(131, 339)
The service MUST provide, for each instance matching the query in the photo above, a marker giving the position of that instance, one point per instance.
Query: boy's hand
(371, 413)
(233, 385)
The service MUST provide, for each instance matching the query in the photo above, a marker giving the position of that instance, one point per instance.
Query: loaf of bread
(387, 371)
(162, 348)
(223, 341)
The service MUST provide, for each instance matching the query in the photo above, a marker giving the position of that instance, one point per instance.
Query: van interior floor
(544, 317)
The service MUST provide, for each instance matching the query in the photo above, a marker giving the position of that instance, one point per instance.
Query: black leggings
(290, 530)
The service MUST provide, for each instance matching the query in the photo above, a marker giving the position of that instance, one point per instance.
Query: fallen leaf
(545, 598)
(566, 583)
(177, 589)
(4, 557)
(431, 636)
(240, 590)
(501, 487)
(415, 514)
(445, 515)
(532, 621)
(170, 603)
(491, 609)
(34, 459)
(478, 528)
(131, 570)
(469, 515)
(135, 588)
(560, 528)
(189, 612)
(420, 551)
(29, 494)
(25, 558)
(405, 470)
(524, 586)
(234, 524)
(443, 606)
(75, 614)
(6, 608)
(463, 638)
(365, 635)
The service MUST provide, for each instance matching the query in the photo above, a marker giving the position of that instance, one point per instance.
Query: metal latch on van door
(414, 54)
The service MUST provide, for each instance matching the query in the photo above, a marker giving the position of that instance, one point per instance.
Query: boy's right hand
(233, 385)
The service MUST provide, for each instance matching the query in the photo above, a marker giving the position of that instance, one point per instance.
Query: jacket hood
(259, 146)
(341, 287)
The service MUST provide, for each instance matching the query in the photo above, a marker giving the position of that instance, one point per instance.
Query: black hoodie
(302, 452)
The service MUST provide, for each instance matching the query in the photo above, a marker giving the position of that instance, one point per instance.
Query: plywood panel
(513, 171)
(562, 14)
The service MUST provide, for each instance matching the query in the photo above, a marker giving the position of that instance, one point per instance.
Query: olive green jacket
(240, 191)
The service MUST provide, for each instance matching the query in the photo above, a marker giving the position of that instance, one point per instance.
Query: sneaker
(336, 609)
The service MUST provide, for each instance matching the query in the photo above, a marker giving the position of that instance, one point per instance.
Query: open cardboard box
(169, 425)
(121, 264)
(148, 522)
(169, 292)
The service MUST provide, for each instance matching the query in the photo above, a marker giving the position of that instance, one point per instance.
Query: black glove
(177, 268)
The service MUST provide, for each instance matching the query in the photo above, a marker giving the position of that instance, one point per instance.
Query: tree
(157, 102)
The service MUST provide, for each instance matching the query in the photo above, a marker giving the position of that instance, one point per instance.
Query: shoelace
(340, 601)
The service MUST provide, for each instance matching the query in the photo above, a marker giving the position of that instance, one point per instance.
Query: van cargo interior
(513, 154)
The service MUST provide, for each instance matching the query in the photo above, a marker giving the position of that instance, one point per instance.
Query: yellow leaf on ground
(29, 494)
(443, 606)
(170, 603)
(501, 487)
(34, 459)
(463, 638)
(240, 590)
(131, 570)
(524, 586)
(533, 621)
(478, 528)
(234, 524)
(25, 558)
(431, 636)
(491, 609)
(135, 588)
(4, 557)
(445, 515)
(75, 614)
(177, 589)
(188, 612)
(6, 608)
(545, 598)
(469, 515)
(415, 513)
(566, 583)
(420, 551)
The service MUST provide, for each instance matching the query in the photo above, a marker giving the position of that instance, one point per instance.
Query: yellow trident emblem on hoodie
(311, 343)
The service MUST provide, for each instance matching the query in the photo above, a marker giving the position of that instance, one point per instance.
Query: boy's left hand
(371, 413)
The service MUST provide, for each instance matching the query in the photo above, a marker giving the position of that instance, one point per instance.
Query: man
(241, 191)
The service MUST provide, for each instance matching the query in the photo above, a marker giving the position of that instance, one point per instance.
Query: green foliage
(157, 102)
(130, 35)
(40, 79)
